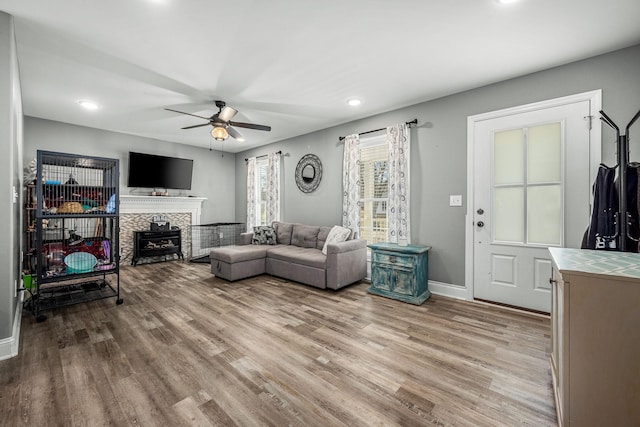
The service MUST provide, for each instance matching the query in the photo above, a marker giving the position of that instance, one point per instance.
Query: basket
(80, 262)
(70, 207)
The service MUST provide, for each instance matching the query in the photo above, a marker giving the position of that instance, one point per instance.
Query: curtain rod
(264, 155)
(412, 122)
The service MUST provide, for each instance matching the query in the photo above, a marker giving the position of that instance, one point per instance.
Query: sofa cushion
(322, 236)
(263, 235)
(311, 257)
(233, 254)
(305, 236)
(336, 235)
(283, 232)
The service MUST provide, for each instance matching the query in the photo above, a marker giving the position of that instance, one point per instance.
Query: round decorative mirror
(308, 173)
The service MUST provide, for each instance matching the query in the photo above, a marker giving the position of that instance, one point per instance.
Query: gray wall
(213, 171)
(439, 149)
(11, 170)
(438, 165)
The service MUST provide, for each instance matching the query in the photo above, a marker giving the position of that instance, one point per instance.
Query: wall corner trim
(9, 346)
(448, 290)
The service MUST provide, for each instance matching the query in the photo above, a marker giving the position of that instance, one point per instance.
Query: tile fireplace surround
(136, 213)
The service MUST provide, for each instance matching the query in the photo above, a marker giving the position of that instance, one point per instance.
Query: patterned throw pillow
(337, 234)
(263, 235)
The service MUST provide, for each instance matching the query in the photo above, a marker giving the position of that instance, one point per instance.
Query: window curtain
(398, 221)
(252, 195)
(273, 188)
(351, 184)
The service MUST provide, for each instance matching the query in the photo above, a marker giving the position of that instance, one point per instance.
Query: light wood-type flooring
(190, 349)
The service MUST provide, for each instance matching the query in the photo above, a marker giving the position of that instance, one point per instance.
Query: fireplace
(136, 214)
(155, 244)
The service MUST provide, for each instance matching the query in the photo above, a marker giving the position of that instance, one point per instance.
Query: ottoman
(238, 262)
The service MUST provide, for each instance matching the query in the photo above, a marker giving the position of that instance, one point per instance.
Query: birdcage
(76, 226)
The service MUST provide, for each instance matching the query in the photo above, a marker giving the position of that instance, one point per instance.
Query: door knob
(480, 224)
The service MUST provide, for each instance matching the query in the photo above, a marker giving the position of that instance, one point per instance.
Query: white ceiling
(290, 64)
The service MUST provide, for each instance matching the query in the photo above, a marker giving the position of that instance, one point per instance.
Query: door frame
(595, 157)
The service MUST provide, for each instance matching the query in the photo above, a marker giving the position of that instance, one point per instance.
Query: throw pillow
(337, 234)
(263, 235)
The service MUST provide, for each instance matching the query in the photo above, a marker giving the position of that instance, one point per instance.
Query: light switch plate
(455, 200)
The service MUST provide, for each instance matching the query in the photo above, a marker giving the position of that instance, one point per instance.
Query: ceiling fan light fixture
(219, 133)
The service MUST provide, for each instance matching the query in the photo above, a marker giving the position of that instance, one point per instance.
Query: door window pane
(543, 153)
(508, 214)
(524, 211)
(544, 214)
(508, 157)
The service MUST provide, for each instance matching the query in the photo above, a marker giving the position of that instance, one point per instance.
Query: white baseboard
(9, 346)
(444, 289)
(448, 290)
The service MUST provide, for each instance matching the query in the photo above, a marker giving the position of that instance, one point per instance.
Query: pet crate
(205, 237)
(77, 230)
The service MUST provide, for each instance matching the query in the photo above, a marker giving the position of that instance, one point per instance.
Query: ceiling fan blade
(189, 114)
(250, 126)
(195, 126)
(234, 133)
(227, 113)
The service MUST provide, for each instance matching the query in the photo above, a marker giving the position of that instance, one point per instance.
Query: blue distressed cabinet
(400, 272)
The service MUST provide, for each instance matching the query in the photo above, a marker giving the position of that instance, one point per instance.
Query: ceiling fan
(222, 124)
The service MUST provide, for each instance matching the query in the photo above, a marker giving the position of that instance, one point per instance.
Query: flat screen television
(153, 171)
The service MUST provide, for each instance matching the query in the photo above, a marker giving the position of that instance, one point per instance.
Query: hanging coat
(602, 229)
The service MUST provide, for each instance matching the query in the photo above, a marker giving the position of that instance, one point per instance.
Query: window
(527, 185)
(374, 186)
(261, 186)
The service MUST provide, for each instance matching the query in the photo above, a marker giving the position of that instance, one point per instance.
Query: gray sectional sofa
(297, 254)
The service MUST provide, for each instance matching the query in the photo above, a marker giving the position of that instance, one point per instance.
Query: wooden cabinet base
(400, 272)
(595, 339)
(417, 300)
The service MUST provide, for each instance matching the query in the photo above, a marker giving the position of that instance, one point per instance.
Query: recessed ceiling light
(354, 102)
(507, 1)
(89, 105)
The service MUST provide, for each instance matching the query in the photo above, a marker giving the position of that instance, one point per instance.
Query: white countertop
(598, 262)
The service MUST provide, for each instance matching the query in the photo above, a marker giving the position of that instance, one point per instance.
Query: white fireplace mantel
(130, 204)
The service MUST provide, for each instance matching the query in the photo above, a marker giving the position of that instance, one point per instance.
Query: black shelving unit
(76, 231)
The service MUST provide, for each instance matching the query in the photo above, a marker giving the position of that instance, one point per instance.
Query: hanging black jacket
(602, 229)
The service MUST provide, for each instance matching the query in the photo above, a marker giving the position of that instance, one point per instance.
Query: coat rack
(622, 216)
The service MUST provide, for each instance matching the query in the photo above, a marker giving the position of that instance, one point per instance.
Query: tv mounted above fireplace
(153, 171)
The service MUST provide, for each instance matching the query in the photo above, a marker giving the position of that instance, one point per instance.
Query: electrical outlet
(455, 200)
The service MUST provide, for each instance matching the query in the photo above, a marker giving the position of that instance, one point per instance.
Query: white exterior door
(531, 191)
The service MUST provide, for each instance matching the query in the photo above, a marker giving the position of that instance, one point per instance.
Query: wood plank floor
(190, 349)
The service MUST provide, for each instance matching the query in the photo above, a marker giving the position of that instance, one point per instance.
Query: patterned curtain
(398, 223)
(351, 184)
(273, 188)
(252, 195)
